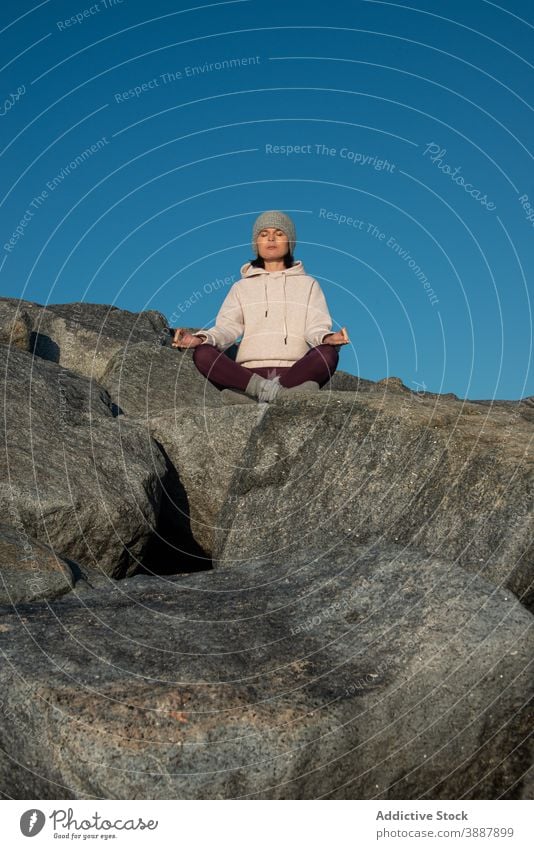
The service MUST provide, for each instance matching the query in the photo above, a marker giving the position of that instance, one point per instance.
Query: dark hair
(259, 262)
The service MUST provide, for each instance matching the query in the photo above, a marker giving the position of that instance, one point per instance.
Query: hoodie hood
(248, 270)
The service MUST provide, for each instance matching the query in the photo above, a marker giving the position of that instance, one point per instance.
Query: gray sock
(271, 388)
(262, 388)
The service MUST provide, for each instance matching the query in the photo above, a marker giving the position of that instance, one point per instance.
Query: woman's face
(272, 243)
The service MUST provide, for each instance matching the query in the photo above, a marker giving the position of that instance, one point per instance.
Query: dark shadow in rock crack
(172, 548)
(44, 347)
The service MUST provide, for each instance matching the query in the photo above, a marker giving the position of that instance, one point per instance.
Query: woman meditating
(281, 313)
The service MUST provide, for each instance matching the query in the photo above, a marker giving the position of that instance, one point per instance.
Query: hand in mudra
(184, 339)
(338, 338)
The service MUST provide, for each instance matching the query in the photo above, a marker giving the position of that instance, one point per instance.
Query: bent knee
(203, 354)
(328, 352)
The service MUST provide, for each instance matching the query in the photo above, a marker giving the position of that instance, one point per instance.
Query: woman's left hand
(338, 338)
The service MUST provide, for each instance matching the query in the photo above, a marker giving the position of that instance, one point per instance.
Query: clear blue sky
(145, 198)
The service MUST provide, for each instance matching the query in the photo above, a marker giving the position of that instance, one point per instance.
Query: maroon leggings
(317, 364)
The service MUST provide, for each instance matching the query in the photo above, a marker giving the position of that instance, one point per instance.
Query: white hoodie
(279, 314)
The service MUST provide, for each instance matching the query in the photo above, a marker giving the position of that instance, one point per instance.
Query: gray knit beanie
(275, 218)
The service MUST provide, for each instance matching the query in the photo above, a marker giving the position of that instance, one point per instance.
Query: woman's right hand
(184, 339)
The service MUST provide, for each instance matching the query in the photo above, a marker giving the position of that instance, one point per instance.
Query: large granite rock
(357, 673)
(345, 382)
(145, 380)
(342, 381)
(452, 479)
(521, 409)
(77, 478)
(360, 634)
(83, 336)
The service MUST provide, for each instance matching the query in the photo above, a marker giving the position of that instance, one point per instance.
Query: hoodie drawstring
(285, 311)
(266, 299)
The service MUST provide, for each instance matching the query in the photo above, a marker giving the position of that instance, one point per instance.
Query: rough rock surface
(360, 674)
(523, 408)
(206, 447)
(29, 570)
(454, 480)
(83, 336)
(78, 479)
(145, 380)
(15, 325)
(342, 381)
(334, 589)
